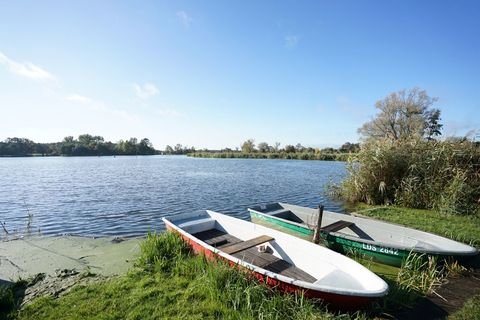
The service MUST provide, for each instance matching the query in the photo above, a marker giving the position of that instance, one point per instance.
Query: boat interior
(278, 252)
(254, 251)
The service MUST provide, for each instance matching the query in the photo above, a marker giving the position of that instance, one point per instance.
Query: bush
(440, 175)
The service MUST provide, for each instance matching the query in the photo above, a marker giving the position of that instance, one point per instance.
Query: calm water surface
(128, 195)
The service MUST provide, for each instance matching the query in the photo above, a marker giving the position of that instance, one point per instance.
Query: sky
(212, 74)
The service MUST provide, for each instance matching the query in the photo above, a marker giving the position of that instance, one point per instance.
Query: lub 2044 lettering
(370, 247)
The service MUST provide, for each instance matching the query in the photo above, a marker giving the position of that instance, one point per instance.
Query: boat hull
(344, 302)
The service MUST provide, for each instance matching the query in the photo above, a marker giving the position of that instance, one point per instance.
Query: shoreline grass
(273, 155)
(168, 281)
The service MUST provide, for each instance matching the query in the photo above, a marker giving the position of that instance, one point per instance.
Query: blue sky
(215, 73)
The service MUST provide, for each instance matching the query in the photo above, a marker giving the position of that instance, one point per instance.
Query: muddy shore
(54, 265)
(25, 257)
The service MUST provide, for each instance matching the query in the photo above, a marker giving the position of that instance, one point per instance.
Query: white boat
(384, 242)
(280, 260)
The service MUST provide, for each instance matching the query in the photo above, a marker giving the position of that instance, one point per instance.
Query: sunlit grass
(169, 282)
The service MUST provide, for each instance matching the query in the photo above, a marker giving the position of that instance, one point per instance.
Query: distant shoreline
(276, 155)
(71, 156)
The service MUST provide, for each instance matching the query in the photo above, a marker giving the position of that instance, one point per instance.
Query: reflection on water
(128, 195)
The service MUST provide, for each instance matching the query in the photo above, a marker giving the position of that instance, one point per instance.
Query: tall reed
(440, 175)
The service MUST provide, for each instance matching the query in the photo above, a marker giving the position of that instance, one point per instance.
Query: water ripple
(128, 195)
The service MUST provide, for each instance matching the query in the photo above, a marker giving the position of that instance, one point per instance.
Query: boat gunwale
(302, 225)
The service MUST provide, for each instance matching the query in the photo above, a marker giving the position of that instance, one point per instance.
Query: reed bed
(439, 175)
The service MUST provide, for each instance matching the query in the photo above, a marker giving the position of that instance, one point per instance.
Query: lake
(127, 196)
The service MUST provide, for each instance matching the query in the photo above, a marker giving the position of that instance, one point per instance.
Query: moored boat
(384, 242)
(280, 260)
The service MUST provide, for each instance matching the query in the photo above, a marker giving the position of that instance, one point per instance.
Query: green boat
(383, 242)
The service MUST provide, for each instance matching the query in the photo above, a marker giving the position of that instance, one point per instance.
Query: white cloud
(171, 113)
(185, 19)
(291, 41)
(26, 69)
(146, 91)
(78, 98)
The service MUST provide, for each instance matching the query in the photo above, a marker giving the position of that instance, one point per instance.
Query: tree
(404, 114)
(248, 146)
(276, 146)
(145, 147)
(68, 139)
(348, 147)
(168, 149)
(289, 148)
(263, 147)
(18, 146)
(178, 148)
(299, 147)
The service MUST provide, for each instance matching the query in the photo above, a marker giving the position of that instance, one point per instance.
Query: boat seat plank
(336, 226)
(270, 262)
(244, 245)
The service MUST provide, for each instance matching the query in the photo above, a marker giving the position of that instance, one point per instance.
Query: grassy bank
(273, 155)
(168, 281)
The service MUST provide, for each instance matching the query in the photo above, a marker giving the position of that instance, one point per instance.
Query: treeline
(84, 145)
(265, 151)
(178, 149)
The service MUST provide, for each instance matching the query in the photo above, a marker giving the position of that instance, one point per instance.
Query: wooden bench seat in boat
(269, 262)
(244, 245)
(338, 225)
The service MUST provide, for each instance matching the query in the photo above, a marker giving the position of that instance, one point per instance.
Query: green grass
(411, 283)
(461, 228)
(470, 310)
(169, 282)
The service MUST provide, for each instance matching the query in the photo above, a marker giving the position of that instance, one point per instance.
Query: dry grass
(444, 176)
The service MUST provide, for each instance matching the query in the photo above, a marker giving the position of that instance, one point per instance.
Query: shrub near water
(439, 175)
